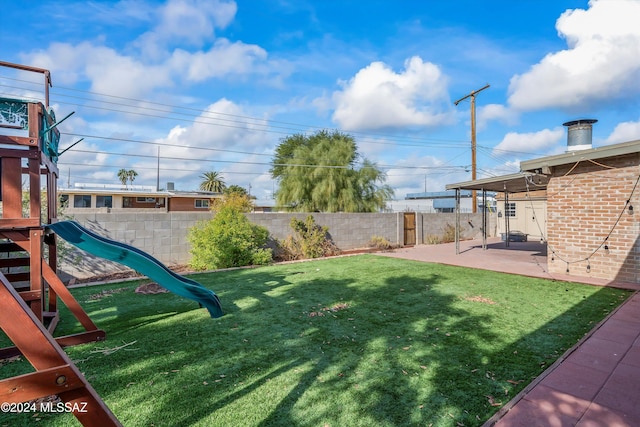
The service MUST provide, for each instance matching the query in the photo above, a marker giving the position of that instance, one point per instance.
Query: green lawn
(355, 341)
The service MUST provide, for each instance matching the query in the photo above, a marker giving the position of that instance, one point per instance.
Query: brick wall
(164, 234)
(583, 206)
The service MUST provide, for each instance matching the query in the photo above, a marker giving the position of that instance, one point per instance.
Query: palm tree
(123, 176)
(212, 181)
(131, 175)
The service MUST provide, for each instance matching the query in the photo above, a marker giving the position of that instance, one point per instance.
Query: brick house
(101, 198)
(592, 198)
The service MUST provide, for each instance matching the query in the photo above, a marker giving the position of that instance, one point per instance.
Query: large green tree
(324, 172)
(212, 181)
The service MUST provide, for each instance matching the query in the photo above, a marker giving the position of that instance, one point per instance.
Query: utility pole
(472, 95)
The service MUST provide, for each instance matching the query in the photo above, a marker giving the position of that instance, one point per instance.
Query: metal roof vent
(171, 186)
(579, 134)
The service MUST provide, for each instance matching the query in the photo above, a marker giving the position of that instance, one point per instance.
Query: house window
(104, 201)
(127, 202)
(145, 199)
(202, 203)
(82, 201)
(510, 210)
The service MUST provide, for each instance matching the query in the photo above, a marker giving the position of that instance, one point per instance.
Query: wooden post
(55, 372)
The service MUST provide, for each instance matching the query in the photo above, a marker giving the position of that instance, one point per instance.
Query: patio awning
(513, 183)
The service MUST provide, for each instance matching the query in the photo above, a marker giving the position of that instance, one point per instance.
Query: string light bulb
(606, 249)
(630, 209)
(588, 267)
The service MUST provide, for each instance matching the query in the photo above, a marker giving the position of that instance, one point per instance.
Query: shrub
(448, 236)
(308, 241)
(229, 239)
(433, 239)
(378, 242)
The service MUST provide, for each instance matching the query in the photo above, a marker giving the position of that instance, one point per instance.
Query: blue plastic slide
(140, 261)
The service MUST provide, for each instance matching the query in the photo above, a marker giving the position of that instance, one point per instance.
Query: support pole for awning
(506, 217)
(457, 221)
(484, 219)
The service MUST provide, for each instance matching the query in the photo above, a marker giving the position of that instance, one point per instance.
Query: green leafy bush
(228, 240)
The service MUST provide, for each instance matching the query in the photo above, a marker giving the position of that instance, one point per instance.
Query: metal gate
(409, 228)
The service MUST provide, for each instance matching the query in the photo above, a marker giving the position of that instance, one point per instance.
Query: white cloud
(623, 132)
(191, 22)
(163, 57)
(602, 60)
(220, 130)
(223, 59)
(108, 71)
(377, 97)
(497, 112)
(529, 142)
(114, 74)
(224, 124)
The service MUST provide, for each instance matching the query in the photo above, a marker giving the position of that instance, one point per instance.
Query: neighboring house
(115, 198)
(592, 194)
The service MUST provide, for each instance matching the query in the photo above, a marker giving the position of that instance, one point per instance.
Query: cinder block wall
(583, 206)
(164, 235)
(347, 230)
(434, 224)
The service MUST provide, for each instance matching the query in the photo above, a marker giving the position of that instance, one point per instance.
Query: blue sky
(215, 85)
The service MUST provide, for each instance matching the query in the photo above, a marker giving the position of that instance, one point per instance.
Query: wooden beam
(10, 246)
(35, 269)
(15, 262)
(35, 202)
(20, 154)
(67, 298)
(39, 384)
(18, 277)
(43, 352)
(18, 140)
(30, 295)
(11, 188)
(19, 223)
(65, 341)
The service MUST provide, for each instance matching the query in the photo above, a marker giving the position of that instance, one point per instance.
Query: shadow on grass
(358, 341)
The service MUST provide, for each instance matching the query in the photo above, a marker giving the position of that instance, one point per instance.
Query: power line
(160, 144)
(254, 121)
(151, 156)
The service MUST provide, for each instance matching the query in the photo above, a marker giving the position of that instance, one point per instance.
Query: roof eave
(576, 156)
(513, 183)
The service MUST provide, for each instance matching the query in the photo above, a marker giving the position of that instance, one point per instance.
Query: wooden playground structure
(29, 286)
